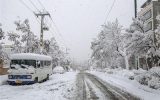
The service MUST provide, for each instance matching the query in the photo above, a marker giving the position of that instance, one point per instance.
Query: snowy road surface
(78, 86)
(90, 87)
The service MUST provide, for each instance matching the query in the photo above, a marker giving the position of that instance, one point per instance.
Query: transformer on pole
(43, 28)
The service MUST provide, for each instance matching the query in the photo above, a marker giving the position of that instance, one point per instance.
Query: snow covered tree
(1, 37)
(140, 41)
(28, 36)
(14, 37)
(1, 32)
(35, 46)
(51, 48)
(157, 31)
(114, 48)
(46, 46)
(106, 46)
(132, 41)
(58, 56)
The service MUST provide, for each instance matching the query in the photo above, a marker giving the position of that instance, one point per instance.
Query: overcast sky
(78, 21)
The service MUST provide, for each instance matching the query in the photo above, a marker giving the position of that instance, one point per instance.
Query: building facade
(7, 49)
(149, 11)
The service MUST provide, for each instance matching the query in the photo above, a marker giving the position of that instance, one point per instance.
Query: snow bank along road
(90, 87)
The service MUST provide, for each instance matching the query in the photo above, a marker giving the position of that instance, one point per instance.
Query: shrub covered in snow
(154, 83)
(150, 78)
(155, 71)
(139, 71)
(143, 78)
(58, 69)
(120, 72)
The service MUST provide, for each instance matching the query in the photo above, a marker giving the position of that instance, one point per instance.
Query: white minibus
(29, 68)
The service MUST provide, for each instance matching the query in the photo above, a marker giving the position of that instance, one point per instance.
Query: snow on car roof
(58, 68)
(28, 56)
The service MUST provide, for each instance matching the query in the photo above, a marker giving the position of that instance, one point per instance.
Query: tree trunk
(1, 63)
(126, 62)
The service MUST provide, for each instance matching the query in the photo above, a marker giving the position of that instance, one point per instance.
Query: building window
(149, 26)
(147, 15)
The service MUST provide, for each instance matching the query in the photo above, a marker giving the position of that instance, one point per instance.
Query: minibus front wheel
(47, 77)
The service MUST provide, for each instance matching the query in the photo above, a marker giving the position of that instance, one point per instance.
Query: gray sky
(78, 21)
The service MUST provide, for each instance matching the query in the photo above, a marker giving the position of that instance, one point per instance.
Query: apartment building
(149, 10)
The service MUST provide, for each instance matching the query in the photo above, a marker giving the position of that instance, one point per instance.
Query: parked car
(58, 69)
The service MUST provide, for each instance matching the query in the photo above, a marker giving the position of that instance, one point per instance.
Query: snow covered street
(59, 87)
(130, 86)
(90, 85)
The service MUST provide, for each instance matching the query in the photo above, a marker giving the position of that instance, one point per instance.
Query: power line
(42, 15)
(23, 3)
(51, 20)
(42, 5)
(109, 11)
(34, 5)
(55, 26)
(53, 23)
(39, 21)
(58, 32)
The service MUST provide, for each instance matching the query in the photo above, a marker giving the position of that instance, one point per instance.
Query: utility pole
(135, 8)
(43, 28)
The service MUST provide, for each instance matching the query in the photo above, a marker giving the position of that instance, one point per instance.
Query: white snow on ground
(59, 87)
(3, 79)
(97, 91)
(130, 86)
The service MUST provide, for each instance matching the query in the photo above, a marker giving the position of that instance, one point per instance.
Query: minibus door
(39, 70)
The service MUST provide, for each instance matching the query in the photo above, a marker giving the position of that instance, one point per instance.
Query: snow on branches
(14, 37)
(106, 46)
(114, 47)
(27, 35)
(1, 32)
(2, 53)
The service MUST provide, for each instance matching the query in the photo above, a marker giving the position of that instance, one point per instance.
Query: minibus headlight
(29, 76)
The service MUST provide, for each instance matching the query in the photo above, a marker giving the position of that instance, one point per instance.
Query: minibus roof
(29, 56)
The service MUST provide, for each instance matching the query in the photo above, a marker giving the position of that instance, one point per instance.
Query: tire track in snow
(95, 93)
(112, 92)
(81, 88)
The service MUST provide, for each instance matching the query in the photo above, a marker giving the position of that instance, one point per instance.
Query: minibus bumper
(20, 82)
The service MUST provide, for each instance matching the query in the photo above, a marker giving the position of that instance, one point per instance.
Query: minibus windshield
(24, 62)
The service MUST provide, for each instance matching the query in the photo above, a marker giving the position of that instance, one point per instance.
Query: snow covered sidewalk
(130, 86)
(59, 87)
(3, 79)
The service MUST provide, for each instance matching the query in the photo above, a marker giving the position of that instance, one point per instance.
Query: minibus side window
(45, 63)
(42, 63)
(38, 64)
(49, 63)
